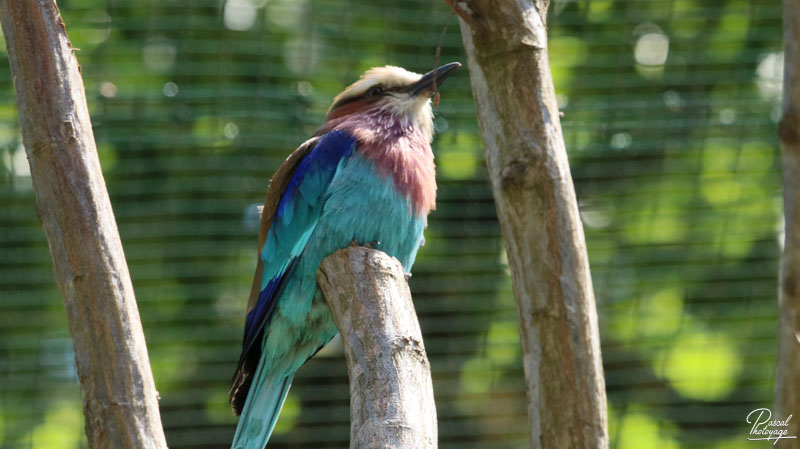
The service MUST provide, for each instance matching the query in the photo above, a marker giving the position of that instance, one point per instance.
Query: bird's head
(393, 91)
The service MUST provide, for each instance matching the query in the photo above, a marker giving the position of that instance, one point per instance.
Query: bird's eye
(375, 91)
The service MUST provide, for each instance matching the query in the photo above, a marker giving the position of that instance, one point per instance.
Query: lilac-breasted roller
(366, 176)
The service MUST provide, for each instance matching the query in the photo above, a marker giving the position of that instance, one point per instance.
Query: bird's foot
(371, 245)
(407, 276)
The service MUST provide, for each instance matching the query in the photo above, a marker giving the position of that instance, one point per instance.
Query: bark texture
(506, 46)
(788, 379)
(120, 401)
(391, 395)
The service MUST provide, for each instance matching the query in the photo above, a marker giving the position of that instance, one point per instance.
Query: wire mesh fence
(670, 110)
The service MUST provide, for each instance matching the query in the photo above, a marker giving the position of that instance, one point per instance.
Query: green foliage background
(670, 110)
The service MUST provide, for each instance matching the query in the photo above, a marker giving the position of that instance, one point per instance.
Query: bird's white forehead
(387, 76)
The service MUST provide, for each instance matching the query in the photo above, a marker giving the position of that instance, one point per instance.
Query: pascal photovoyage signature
(767, 429)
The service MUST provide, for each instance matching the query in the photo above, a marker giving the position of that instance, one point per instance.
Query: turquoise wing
(295, 207)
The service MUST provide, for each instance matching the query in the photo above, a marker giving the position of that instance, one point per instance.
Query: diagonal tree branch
(120, 401)
(506, 45)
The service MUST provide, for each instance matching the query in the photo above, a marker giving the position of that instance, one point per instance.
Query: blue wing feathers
(315, 171)
(258, 317)
(294, 220)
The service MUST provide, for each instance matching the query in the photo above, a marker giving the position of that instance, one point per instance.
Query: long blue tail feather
(261, 410)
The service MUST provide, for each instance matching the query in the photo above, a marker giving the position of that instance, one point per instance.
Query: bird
(367, 176)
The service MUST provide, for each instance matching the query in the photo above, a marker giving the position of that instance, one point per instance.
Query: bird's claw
(371, 245)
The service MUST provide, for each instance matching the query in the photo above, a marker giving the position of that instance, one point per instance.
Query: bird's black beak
(431, 81)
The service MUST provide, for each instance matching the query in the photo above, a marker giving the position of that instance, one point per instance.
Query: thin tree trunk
(120, 401)
(506, 46)
(788, 379)
(391, 395)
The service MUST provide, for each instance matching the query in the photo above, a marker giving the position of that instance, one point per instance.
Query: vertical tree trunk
(391, 395)
(788, 379)
(506, 45)
(120, 401)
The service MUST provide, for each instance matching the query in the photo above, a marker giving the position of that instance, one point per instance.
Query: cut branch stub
(391, 395)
